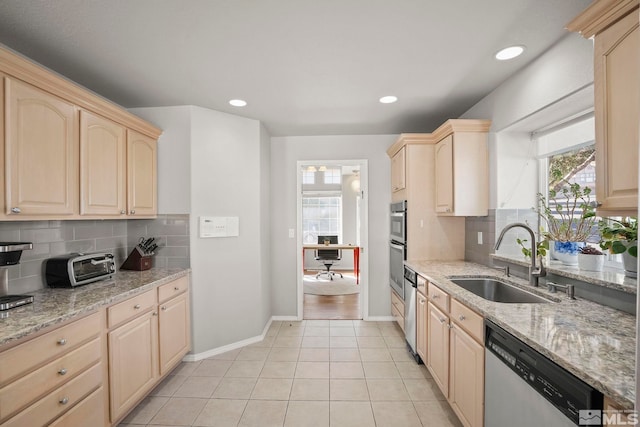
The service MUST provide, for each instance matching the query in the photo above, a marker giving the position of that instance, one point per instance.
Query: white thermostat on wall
(219, 226)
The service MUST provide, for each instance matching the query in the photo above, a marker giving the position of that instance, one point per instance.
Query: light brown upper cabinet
(41, 152)
(398, 170)
(614, 23)
(118, 169)
(142, 174)
(103, 179)
(462, 170)
(70, 154)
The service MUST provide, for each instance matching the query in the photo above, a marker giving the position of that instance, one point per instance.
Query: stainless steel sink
(497, 291)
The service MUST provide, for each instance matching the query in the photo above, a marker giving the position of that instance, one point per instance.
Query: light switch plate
(479, 237)
(292, 233)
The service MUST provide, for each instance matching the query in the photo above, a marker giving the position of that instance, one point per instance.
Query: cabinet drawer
(131, 308)
(422, 285)
(89, 412)
(23, 391)
(171, 289)
(397, 303)
(468, 320)
(20, 359)
(58, 401)
(438, 297)
(399, 318)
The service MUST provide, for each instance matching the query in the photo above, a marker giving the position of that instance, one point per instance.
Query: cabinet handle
(176, 288)
(461, 317)
(62, 371)
(450, 326)
(136, 307)
(64, 400)
(442, 320)
(164, 308)
(155, 313)
(62, 341)
(448, 209)
(435, 296)
(123, 212)
(598, 204)
(16, 210)
(132, 211)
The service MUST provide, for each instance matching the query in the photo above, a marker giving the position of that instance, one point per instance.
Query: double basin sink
(496, 291)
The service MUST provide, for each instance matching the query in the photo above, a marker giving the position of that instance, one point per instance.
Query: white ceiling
(306, 67)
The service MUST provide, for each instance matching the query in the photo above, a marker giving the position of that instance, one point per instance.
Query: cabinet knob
(461, 317)
(62, 371)
(598, 204)
(62, 341)
(132, 211)
(164, 308)
(123, 212)
(16, 210)
(64, 400)
(155, 313)
(136, 307)
(436, 296)
(442, 320)
(176, 288)
(448, 209)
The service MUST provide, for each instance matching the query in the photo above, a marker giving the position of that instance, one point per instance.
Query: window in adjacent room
(333, 176)
(321, 215)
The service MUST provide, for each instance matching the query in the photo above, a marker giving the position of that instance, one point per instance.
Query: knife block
(137, 261)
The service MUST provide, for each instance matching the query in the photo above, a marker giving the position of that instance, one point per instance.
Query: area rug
(324, 286)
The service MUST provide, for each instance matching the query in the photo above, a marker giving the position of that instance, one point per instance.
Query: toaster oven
(76, 269)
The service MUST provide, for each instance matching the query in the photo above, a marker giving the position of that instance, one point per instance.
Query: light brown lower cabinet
(421, 326)
(455, 356)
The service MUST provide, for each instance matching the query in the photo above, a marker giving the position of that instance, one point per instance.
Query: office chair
(328, 256)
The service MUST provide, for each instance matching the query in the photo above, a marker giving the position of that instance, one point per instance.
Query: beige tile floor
(333, 373)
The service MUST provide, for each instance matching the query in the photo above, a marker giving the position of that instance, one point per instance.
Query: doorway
(332, 265)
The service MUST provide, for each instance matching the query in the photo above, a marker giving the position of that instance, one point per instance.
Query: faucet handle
(505, 269)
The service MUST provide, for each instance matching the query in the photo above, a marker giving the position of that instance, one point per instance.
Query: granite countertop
(607, 278)
(53, 306)
(594, 342)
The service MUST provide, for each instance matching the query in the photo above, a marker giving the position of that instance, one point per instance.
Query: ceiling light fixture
(322, 169)
(238, 102)
(390, 99)
(509, 53)
(311, 169)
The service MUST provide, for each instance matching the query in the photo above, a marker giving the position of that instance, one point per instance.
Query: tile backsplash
(52, 238)
(490, 226)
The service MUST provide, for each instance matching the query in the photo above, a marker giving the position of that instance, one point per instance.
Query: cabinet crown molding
(600, 15)
(447, 128)
(19, 67)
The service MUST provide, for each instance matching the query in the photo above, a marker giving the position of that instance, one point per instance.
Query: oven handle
(396, 246)
(102, 261)
(398, 214)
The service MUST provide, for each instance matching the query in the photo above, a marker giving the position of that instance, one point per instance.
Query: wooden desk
(355, 249)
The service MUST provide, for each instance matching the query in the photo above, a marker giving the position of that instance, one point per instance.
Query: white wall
(565, 69)
(222, 169)
(285, 152)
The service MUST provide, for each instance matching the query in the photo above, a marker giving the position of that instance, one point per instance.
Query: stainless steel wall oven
(398, 247)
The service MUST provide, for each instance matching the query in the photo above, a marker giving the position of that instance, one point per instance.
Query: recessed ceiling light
(509, 53)
(388, 99)
(238, 102)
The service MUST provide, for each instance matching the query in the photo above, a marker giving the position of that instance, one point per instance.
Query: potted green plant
(570, 217)
(621, 237)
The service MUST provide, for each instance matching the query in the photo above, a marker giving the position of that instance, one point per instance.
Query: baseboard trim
(380, 319)
(233, 346)
(285, 318)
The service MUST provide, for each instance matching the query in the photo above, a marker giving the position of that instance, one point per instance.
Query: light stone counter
(594, 342)
(53, 306)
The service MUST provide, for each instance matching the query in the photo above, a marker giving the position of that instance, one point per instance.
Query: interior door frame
(363, 164)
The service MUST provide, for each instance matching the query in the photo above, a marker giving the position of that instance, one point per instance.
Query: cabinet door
(444, 175)
(41, 150)
(466, 393)
(617, 107)
(438, 347)
(142, 174)
(421, 326)
(174, 331)
(398, 170)
(102, 166)
(133, 362)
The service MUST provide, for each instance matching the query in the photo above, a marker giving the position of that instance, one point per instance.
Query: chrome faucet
(534, 272)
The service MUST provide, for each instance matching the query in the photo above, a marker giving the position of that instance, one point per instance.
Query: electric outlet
(479, 237)
(292, 233)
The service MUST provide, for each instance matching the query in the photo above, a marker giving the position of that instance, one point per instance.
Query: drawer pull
(155, 313)
(442, 320)
(436, 296)
(136, 307)
(62, 371)
(461, 317)
(164, 308)
(133, 211)
(62, 341)
(123, 212)
(64, 400)
(16, 210)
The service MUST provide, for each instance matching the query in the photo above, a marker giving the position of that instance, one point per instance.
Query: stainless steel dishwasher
(525, 388)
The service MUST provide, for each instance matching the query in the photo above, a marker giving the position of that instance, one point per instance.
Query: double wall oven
(398, 247)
